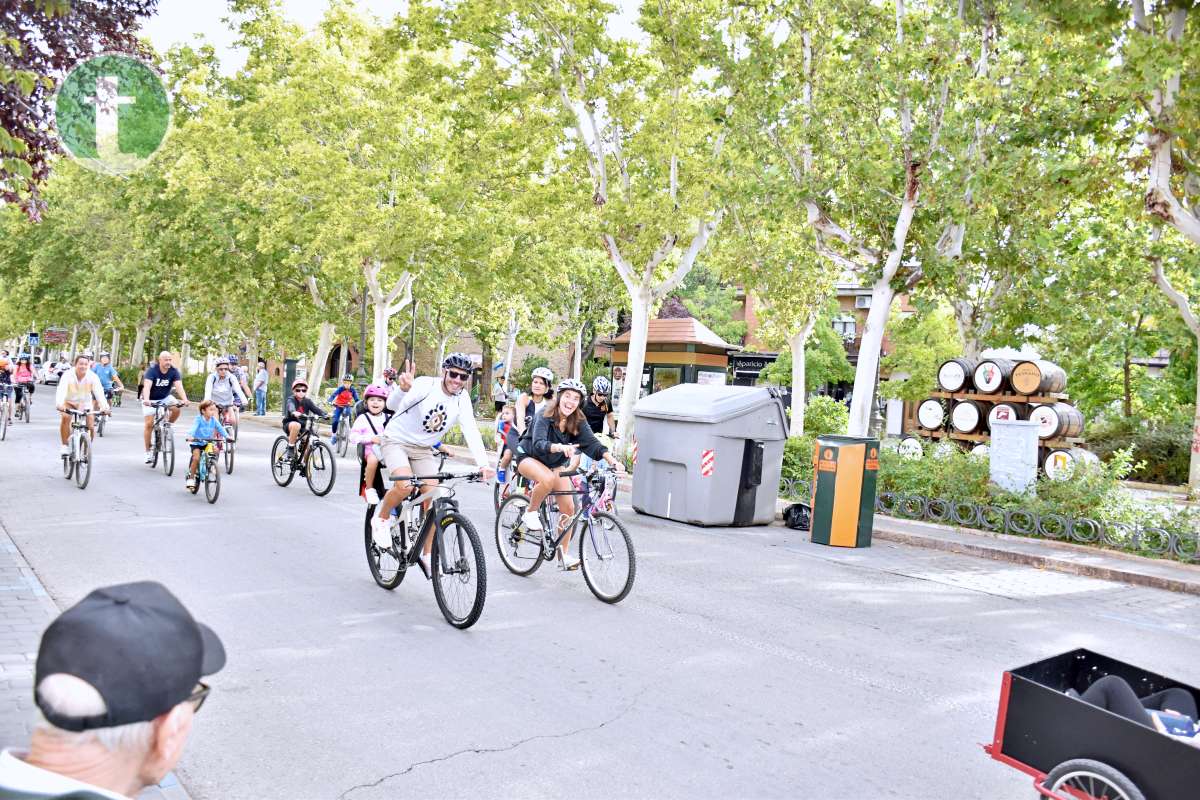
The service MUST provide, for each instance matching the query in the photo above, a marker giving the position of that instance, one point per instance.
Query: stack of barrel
(976, 394)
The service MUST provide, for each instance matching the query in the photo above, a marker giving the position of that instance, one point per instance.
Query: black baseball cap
(136, 645)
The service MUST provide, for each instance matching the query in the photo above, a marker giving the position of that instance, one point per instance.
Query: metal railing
(1139, 539)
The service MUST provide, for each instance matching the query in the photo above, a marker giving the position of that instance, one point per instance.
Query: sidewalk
(25, 611)
(1091, 562)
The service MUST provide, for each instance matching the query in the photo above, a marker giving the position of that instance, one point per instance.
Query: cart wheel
(1084, 778)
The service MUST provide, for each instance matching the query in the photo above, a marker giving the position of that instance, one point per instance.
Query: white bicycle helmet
(545, 374)
(601, 385)
(574, 385)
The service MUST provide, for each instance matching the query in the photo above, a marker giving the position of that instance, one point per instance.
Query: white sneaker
(567, 562)
(531, 520)
(381, 532)
(65, 450)
(149, 456)
(372, 497)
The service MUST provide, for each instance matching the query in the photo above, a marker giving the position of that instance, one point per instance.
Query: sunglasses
(198, 696)
(458, 376)
(299, 391)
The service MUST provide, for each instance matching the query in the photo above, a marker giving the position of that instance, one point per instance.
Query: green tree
(920, 343)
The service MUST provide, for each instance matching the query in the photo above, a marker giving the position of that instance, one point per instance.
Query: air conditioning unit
(862, 301)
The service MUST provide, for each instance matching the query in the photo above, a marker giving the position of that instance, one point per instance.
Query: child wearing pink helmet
(367, 430)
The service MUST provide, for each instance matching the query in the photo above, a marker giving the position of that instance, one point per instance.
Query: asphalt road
(745, 663)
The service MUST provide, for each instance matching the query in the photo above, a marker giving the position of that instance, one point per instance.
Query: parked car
(53, 371)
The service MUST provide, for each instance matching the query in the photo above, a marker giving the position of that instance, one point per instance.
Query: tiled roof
(680, 331)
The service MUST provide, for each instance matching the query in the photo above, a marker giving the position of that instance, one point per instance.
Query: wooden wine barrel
(931, 414)
(1038, 377)
(981, 450)
(956, 375)
(967, 416)
(1058, 464)
(1007, 412)
(910, 447)
(992, 374)
(1057, 420)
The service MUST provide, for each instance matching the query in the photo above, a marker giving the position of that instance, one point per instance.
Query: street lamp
(362, 340)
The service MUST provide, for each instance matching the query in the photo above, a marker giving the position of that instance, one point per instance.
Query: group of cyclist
(17, 379)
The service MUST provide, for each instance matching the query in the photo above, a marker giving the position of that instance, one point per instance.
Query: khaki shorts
(414, 459)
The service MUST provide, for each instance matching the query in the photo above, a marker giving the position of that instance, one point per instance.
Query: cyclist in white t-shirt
(80, 389)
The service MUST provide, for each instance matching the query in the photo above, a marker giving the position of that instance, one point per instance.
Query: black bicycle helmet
(457, 361)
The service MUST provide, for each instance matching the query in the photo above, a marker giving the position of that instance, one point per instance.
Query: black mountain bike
(459, 572)
(605, 549)
(311, 456)
(228, 446)
(162, 441)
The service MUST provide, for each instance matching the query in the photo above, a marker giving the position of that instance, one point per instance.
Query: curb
(991, 546)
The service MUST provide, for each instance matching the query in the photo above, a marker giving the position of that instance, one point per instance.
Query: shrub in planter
(1161, 446)
(825, 415)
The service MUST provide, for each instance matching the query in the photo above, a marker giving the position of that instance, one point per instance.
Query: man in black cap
(118, 682)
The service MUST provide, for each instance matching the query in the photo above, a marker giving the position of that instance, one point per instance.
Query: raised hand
(405, 379)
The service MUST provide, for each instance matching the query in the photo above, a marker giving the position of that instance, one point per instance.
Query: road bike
(605, 548)
(22, 411)
(311, 456)
(162, 441)
(343, 434)
(100, 419)
(228, 446)
(459, 573)
(209, 470)
(77, 461)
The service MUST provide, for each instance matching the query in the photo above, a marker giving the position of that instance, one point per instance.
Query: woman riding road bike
(551, 442)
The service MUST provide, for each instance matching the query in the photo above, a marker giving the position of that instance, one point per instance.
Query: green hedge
(1094, 491)
(1161, 449)
(194, 386)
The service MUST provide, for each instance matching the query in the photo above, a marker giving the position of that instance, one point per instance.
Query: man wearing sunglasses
(297, 406)
(426, 408)
(118, 684)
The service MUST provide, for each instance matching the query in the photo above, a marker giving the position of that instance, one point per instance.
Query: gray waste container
(709, 455)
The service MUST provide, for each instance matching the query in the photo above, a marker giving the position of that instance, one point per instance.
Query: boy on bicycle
(205, 428)
(343, 399)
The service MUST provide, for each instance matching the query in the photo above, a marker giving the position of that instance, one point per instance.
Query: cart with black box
(1074, 750)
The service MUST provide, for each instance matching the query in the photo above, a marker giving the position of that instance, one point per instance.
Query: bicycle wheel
(83, 462)
(230, 448)
(459, 572)
(609, 563)
(212, 481)
(320, 468)
(520, 549)
(281, 467)
(343, 434)
(168, 451)
(3, 421)
(68, 465)
(100, 425)
(155, 448)
(1083, 777)
(199, 477)
(386, 568)
(28, 405)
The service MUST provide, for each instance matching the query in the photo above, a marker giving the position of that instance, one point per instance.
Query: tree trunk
(252, 353)
(74, 343)
(1194, 463)
(485, 376)
(797, 343)
(93, 338)
(343, 359)
(1126, 384)
(138, 356)
(968, 331)
(513, 329)
(115, 348)
(638, 332)
(379, 356)
(579, 353)
(324, 346)
(185, 352)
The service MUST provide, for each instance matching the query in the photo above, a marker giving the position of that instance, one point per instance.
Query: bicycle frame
(441, 500)
(584, 507)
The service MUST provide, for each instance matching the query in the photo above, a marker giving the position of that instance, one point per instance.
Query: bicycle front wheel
(3, 422)
(520, 549)
(212, 482)
(609, 563)
(459, 572)
(230, 449)
(100, 426)
(386, 568)
(343, 434)
(320, 468)
(281, 466)
(168, 452)
(83, 462)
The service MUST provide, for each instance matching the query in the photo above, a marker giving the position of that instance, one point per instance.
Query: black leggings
(1116, 695)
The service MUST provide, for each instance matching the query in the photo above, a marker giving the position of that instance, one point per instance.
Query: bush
(1162, 448)
(797, 458)
(825, 415)
(522, 377)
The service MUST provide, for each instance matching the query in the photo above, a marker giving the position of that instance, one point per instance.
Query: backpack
(798, 516)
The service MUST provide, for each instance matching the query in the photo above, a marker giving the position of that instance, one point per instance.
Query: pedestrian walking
(118, 682)
(260, 390)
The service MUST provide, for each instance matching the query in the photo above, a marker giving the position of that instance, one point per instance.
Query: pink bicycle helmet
(375, 390)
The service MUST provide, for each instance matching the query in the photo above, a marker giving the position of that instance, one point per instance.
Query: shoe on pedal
(381, 532)
(531, 521)
(190, 483)
(566, 562)
(149, 456)
(65, 450)
(372, 497)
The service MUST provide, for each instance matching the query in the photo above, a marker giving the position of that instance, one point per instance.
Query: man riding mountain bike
(224, 389)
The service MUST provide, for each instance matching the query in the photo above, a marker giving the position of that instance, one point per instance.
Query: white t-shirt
(425, 413)
(18, 776)
(74, 390)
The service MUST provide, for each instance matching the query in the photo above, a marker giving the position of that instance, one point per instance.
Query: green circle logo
(112, 113)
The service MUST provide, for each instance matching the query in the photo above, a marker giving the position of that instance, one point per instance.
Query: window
(844, 326)
(862, 301)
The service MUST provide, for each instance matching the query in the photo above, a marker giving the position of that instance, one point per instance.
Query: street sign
(56, 335)
(34, 339)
